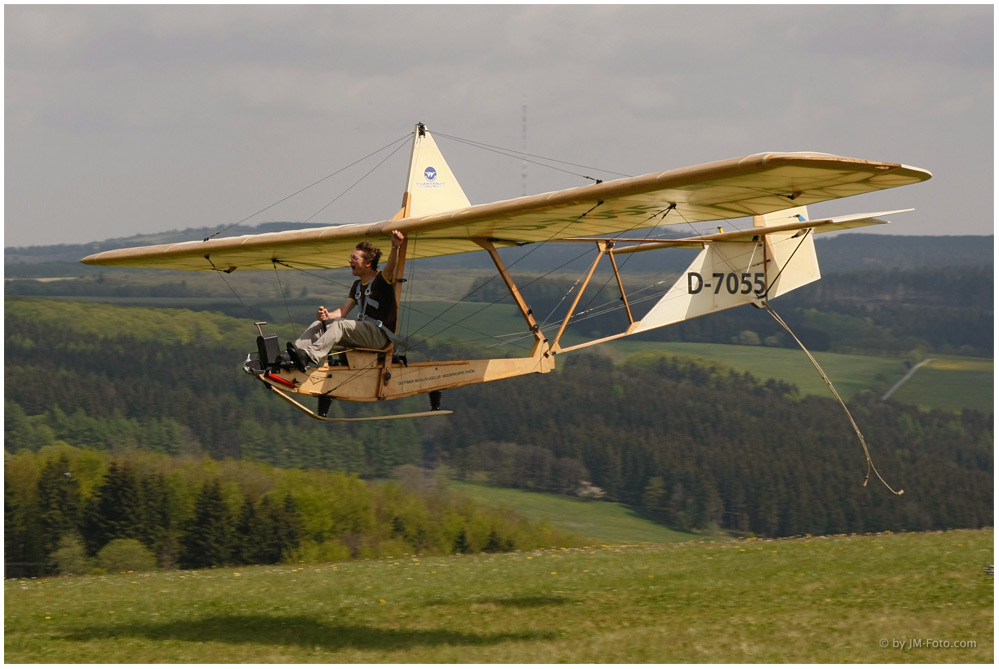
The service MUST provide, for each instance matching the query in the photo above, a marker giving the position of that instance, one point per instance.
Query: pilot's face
(357, 261)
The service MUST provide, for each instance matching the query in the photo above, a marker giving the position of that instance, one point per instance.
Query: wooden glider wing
(751, 186)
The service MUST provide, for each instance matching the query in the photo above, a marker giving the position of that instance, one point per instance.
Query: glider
(733, 268)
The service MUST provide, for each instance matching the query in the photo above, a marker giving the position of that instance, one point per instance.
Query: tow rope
(867, 453)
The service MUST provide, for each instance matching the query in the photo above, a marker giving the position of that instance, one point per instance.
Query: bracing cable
(284, 297)
(305, 188)
(860, 436)
(221, 274)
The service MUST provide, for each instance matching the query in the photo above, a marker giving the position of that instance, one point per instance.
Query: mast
(431, 188)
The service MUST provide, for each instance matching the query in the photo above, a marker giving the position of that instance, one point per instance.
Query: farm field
(951, 384)
(860, 599)
(601, 521)
(849, 373)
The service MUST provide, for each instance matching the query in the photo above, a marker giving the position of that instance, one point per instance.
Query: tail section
(729, 274)
(431, 187)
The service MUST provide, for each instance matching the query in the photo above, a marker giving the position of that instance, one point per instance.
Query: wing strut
(525, 310)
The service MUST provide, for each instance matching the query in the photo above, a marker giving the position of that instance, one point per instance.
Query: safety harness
(363, 299)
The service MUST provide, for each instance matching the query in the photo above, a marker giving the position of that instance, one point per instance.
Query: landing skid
(301, 407)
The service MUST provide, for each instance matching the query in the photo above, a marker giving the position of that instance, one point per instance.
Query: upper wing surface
(750, 186)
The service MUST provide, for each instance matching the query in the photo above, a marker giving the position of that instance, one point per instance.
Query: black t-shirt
(378, 298)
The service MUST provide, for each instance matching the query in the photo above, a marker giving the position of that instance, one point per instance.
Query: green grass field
(872, 599)
(951, 384)
(849, 373)
(601, 521)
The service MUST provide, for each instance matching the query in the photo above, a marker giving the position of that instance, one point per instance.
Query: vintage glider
(734, 268)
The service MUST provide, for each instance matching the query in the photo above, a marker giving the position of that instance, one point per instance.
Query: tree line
(689, 445)
(72, 510)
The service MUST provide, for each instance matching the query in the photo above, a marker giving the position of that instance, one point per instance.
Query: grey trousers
(342, 331)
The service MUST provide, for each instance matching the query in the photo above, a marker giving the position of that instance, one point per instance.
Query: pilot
(374, 327)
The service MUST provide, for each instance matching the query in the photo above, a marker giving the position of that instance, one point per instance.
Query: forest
(691, 446)
(84, 510)
(107, 402)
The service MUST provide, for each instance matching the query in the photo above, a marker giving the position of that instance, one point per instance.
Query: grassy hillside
(859, 599)
(951, 383)
(601, 521)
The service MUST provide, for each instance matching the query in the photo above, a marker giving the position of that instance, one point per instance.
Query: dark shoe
(299, 358)
(252, 364)
(283, 361)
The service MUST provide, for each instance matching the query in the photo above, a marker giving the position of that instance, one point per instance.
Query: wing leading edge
(751, 186)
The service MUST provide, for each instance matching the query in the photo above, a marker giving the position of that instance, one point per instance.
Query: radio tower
(523, 145)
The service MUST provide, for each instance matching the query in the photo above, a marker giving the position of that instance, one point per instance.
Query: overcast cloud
(137, 119)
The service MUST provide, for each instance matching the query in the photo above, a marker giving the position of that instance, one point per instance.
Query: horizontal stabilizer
(834, 224)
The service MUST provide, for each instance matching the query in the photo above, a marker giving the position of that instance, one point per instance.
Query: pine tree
(461, 544)
(22, 549)
(287, 526)
(59, 503)
(252, 535)
(207, 540)
(653, 495)
(115, 510)
(156, 527)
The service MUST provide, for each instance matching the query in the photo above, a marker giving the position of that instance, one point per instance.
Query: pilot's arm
(388, 269)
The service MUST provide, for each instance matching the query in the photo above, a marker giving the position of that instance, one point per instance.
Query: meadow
(951, 384)
(595, 520)
(870, 598)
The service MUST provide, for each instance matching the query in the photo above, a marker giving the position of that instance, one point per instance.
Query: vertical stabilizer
(731, 274)
(431, 187)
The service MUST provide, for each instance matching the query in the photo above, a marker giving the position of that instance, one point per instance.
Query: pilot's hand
(322, 314)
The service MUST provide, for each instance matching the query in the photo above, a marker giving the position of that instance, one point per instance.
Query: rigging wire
(284, 297)
(365, 176)
(221, 274)
(513, 153)
(305, 188)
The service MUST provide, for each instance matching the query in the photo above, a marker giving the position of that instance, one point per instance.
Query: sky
(132, 119)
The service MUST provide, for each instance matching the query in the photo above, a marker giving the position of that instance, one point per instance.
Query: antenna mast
(523, 145)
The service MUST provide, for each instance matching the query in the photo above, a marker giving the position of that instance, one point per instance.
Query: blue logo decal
(430, 173)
